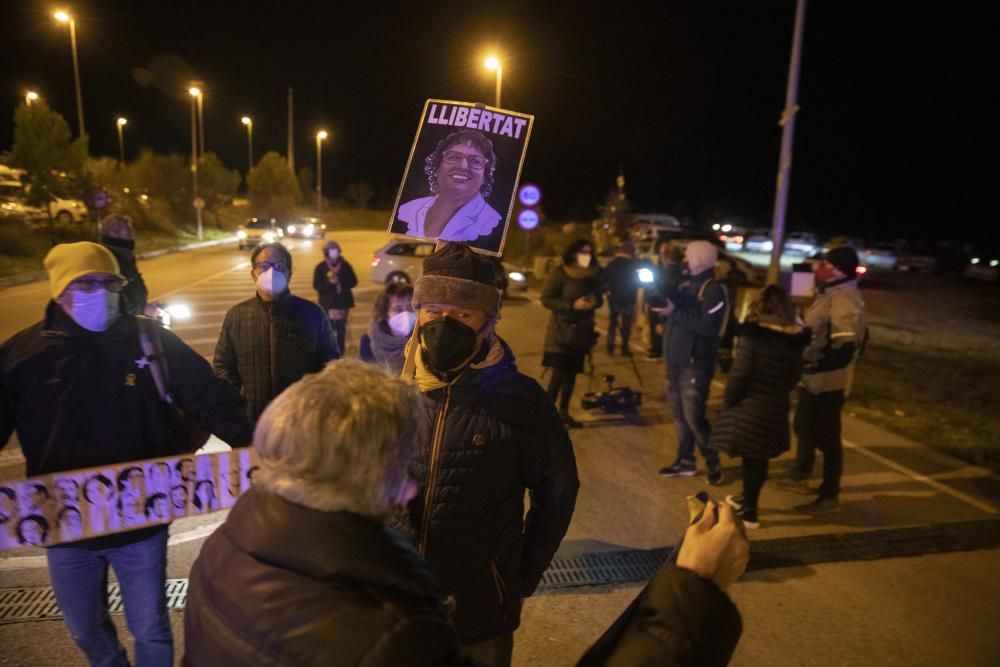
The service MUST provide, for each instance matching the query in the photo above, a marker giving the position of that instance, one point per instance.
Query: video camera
(613, 399)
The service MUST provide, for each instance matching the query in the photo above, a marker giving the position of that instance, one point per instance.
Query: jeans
(496, 652)
(621, 318)
(817, 426)
(687, 394)
(80, 582)
(340, 334)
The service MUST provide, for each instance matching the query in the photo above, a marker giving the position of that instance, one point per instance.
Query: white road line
(241, 265)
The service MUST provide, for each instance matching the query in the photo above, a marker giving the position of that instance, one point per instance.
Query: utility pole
(291, 132)
(787, 122)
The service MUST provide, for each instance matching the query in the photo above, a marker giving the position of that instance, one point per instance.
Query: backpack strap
(152, 348)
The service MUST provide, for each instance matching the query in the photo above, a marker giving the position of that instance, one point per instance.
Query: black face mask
(447, 344)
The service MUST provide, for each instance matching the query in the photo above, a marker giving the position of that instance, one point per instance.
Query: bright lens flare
(516, 276)
(492, 62)
(62, 16)
(179, 311)
(321, 135)
(194, 91)
(645, 276)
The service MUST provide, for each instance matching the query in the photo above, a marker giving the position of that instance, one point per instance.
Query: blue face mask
(272, 282)
(94, 311)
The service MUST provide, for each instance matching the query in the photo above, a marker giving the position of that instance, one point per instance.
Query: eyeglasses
(477, 162)
(93, 284)
(280, 267)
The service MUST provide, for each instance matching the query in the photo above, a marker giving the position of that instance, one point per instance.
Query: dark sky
(685, 97)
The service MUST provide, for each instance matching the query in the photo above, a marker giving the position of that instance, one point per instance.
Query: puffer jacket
(265, 347)
(560, 291)
(694, 329)
(482, 441)
(766, 367)
(281, 584)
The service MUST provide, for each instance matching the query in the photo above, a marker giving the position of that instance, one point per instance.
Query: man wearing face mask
(118, 236)
(274, 338)
(78, 389)
(486, 434)
(333, 280)
(696, 312)
(837, 320)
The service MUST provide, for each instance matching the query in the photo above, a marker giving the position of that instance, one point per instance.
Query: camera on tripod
(613, 399)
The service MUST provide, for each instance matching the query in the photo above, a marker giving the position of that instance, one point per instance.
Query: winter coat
(335, 295)
(766, 367)
(282, 584)
(482, 441)
(266, 346)
(840, 328)
(621, 282)
(694, 328)
(560, 291)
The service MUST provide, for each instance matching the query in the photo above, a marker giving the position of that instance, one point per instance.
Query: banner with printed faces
(462, 174)
(80, 504)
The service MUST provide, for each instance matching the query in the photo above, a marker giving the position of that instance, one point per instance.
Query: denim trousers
(817, 426)
(80, 582)
(620, 322)
(687, 394)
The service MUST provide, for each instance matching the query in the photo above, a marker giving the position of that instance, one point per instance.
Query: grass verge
(941, 398)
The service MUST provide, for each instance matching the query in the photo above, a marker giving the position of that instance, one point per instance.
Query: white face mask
(401, 324)
(583, 259)
(272, 282)
(94, 311)
(333, 255)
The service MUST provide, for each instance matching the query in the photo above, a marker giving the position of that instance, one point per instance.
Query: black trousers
(620, 322)
(561, 388)
(817, 426)
(655, 339)
(754, 476)
(340, 333)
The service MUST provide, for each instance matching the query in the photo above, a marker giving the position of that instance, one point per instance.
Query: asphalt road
(927, 610)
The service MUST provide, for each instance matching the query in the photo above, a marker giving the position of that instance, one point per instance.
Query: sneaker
(679, 469)
(715, 477)
(569, 422)
(748, 515)
(819, 506)
(800, 486)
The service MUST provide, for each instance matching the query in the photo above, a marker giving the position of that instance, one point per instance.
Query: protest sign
(461, 175)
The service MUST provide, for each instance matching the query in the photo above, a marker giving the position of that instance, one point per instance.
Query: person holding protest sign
(79, 391)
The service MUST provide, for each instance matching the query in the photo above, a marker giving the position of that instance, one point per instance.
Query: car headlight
(291, 229)
(280, 233)
(516, 276)
(308, 230)
(240, 234)
(269, 237)
(179, 311)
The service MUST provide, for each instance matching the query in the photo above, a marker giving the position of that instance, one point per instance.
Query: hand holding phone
(715, 545)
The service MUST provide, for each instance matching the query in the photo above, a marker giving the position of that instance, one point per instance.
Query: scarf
(387, 348)
(578, 272)
(426, 380)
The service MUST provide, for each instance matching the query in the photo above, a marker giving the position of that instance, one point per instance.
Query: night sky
(685, 97)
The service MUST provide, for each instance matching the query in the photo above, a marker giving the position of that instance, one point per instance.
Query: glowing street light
(30, 96)
(197, 202)
(64, 17)
(198, 96)
(248, 121)
(320, 136)
(493, 63)
(121, 123)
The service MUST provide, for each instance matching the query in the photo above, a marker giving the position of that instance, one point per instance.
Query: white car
(800, 243)
(881, 256)
(256, 231)
(66, 211)
(402, 261)
(759, 240)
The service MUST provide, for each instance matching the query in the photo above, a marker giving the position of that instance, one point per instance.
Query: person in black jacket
(666, 276)
(766, 367)
(621, 283)
(486, 433)
(118, 236)
(274, 338)
(572, 292)
(79, 391)
(333, 280)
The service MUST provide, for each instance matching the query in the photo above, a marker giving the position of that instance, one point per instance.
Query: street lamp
(121, 123)
(320, 136)
(64, 17)
(198, 94)
(246, 120)
(30, 96)
(494, 63)
(197, 202)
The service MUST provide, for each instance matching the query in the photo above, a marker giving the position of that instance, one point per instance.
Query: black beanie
(456, 275)
(845, 258)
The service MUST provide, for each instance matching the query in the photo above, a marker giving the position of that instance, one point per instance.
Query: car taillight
(862, 270)
(375, 261)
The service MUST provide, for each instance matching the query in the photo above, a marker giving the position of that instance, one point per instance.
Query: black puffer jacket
(264, 347)
(560, 291)
(766, 368)
(483, 441)
(281, 584)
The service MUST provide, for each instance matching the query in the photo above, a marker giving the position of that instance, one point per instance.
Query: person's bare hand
(660, 330)
(719, 550)
(583, 303)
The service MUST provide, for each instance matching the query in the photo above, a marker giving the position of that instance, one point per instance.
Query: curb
(34, 276)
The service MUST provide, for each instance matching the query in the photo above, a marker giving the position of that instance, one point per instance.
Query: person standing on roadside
(118, 236)
(839, 329)
(621, 283)
(390, 329)
(79, 391)
(486, 434)
(333, 280)
(274, 338)
(697, 311)
(572, 292)
(666, 277)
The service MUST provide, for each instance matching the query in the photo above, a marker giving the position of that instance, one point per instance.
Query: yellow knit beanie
(68, 261)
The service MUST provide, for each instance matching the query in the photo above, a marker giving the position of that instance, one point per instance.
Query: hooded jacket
(694, 328)
(484, 440)
(335, 295)
(265, 346)
(282, 584)
(766, 368)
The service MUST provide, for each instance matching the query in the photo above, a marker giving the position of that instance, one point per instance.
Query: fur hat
(701, 256)
(456, 275)
(845, 258)
(68, 261)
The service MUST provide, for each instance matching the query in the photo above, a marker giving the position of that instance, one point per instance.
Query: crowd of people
(405, 507)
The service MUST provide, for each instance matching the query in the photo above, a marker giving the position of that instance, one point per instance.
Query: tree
(360, 193)
(307, 179)
(274, 189)
(216, 184)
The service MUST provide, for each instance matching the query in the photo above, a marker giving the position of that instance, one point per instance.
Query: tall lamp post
(197, 202)
(65, 17)
(121, 123)
(248, 121)
(30, 96)
(494, 63)
(320, 136)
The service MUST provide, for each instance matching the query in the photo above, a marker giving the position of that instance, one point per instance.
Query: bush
(19, 241)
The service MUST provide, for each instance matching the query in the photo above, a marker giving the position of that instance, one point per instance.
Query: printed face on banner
(460, 179)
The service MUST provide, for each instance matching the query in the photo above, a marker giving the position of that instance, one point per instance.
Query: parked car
(800, 243)
(305, 228)
(402, 261)
(759, 240)
(916, 260)
(984, 267)
(255, 231)
(66, 210)
(881, 256)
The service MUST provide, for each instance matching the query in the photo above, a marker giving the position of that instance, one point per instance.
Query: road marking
(241, 265)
